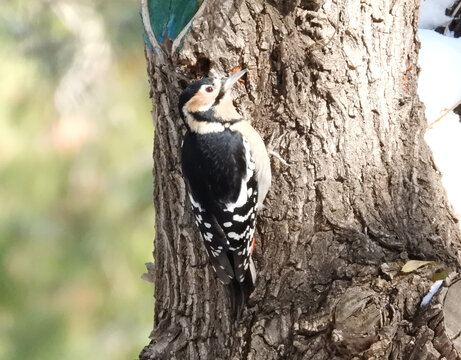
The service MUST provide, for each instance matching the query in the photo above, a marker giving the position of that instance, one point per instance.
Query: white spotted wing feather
(228, 233)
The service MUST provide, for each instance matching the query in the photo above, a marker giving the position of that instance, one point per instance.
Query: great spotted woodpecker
(227, 170)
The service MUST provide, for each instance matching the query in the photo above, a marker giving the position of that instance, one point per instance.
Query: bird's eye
(209, 89)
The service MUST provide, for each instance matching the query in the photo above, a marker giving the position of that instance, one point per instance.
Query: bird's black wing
(215, 242)
(223, 191)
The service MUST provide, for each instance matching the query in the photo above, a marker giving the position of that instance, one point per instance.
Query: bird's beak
(231, 80)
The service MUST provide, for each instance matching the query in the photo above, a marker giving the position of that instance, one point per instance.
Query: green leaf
(439, 275)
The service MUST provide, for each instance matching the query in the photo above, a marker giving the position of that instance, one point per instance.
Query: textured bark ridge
(332, 88)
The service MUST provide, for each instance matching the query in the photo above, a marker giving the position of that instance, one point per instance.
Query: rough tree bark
(332, 88)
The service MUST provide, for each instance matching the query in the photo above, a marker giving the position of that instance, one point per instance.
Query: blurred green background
(76, 217)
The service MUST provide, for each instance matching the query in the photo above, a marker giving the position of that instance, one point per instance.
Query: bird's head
(209, 100)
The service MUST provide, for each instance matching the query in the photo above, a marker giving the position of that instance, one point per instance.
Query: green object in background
(168, 18)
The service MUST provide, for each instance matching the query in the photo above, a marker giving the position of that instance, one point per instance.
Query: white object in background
(433, 13)
(439, 87)
(434, 288)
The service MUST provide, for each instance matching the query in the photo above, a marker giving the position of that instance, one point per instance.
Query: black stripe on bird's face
(204, 116)
(222, 92)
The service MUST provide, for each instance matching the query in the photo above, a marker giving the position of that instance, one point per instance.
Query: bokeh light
(76, 216)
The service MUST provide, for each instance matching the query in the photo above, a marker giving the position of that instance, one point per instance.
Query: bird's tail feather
(240, 291)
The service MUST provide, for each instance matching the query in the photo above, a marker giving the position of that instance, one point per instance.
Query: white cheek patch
(203, 127)
(208, 98)
(205, 107)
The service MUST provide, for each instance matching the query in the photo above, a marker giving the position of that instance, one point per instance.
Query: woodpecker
(227, 170)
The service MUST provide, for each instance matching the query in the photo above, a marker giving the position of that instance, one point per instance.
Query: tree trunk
(331, 88)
